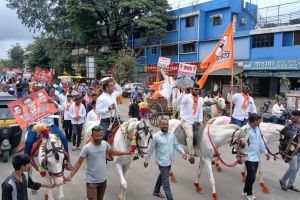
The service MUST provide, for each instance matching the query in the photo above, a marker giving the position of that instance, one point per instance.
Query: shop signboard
(272, 64)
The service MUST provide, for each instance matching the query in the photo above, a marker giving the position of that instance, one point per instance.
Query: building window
(172, 25)
(217, 20)
(189, 47)
(153, 50)
(263, 40)
(287, 39)
(189, 21)
(297, 38)
(169, 50)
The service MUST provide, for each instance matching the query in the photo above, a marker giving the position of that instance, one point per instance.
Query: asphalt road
(141, 181)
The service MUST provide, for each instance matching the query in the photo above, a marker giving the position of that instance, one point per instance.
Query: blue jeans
(31, 138)
(19, 94)
(105, 124)
(238, 122)
(163, 180)
(291, 173)
(275, 120)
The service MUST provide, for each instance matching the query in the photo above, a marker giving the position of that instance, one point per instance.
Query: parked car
(129, 87)
(10, 131)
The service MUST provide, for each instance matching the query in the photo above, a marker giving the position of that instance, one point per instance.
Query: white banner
(186, 75)
(163, 62)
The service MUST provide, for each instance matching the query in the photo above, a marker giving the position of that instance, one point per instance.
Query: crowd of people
(80, 103)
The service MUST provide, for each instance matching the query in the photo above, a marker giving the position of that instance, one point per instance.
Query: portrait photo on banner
(42, 75)
(186, 75)
(32, 108)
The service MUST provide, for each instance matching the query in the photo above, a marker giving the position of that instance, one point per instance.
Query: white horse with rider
(122, 142)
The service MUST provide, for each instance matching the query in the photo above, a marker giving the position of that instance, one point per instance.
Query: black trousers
(77, 130)
(68, 129)
(251, 174)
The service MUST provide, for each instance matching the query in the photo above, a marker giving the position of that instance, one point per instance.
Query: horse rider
(243, 106)
(49, 121)
(106, 104)
(292, 128)
(208, 101)
(191, 112)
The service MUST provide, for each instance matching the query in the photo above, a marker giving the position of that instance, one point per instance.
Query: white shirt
(167, 86)
(175, 95)
(105, 100)
(92, 116)
(238, 112)
(277, 110)
(82, 114)
(186, 109)
(64, 106)
(62, 98)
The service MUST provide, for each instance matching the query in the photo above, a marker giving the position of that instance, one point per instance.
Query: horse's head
(143, 135)
(270, 131)
(54, 156)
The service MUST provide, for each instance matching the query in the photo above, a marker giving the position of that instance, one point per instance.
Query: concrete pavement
(141, 181)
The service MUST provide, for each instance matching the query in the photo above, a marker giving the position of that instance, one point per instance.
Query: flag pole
(232, 68)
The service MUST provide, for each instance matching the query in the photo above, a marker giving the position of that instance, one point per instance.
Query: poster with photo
(163, 62)
(186, 75)
(32, 108)
(42, 75)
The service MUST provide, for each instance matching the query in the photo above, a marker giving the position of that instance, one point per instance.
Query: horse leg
(122, 179)
(199, 173)
(125, 169)
(172, 177)
(208, 165)
(244, 174)
(60, 192)
(262, 184)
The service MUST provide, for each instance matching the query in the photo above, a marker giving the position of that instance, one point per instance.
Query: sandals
(283, 185)
(159, 195)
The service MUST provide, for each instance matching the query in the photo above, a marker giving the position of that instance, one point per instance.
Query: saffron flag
(221, 57)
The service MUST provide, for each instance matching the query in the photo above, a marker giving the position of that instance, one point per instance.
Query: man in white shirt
(191, 111)
(66, 117)
(62, 97)
(176, 94)
(167, 86)
(106, 105)
(277, 111)
(92, 116)
(77, 113)
(243, 106)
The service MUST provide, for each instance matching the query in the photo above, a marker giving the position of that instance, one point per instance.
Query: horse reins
(275, 157)
(147, 131)
(216, 150)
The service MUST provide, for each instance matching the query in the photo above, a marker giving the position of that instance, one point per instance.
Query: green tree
(125, 66)
(110, 23)
(16, 55)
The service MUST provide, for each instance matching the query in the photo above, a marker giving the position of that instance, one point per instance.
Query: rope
(275, 157)
(217, 152)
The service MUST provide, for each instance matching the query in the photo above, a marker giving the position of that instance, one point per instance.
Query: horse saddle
(112, 130)
(197, 135)
(291, 149)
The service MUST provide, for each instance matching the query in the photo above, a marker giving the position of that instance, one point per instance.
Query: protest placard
(32, 108)
(186, 75)
(163, 62)
(42, 75)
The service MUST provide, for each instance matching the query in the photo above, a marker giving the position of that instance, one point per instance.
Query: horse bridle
(147, 131)
(55, 150)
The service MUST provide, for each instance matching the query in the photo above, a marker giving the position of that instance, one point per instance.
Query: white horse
(51, 152)
(271, 133)
(220, 135)
(122, 142)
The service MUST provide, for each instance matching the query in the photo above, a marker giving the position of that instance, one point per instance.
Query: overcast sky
(12, 31)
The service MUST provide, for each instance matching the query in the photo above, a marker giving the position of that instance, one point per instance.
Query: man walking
(243, 106)
(96, 173)
(191, 112)
(291, 129)
(254, 145)
(164, 142)
(77, 113)
(66, 117)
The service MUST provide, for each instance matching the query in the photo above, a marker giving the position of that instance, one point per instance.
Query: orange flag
(221, 57)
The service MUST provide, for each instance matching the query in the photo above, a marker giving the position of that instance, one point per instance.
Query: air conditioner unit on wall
(244, 21)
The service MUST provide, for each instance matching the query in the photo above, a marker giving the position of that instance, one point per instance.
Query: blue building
(265, 54)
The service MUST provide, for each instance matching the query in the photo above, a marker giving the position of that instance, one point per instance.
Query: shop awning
(289, 74)
(223, 72)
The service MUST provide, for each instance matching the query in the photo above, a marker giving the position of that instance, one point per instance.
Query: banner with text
(186, 75)
(163, 62)
(32, 108)
(42, 75)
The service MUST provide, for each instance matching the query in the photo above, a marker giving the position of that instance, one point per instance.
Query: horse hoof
(46, 197)
(243, 176)
(197, 187)
(215, 196)
(218, 167)
(264, 188)
(173, 177)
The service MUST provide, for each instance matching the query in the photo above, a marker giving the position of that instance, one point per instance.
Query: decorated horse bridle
(147, 131)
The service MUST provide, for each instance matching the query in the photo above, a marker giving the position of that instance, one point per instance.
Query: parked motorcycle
(285, 117)
(266, 106)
